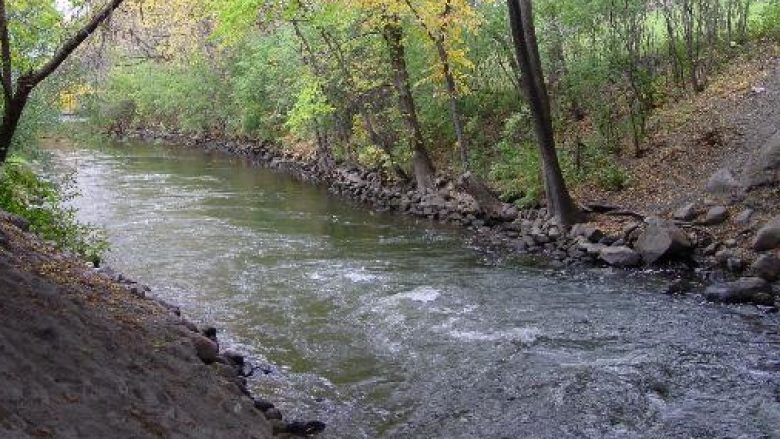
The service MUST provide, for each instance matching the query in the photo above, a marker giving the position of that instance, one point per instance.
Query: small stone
(716, 215)
(206, 349)
(273, 413)
(263, 405)
(743, 218)
(305, 428)
(234, 357)
(679, 286)
(591, 233)
(620, 256)
(686, 213)
(711, 249)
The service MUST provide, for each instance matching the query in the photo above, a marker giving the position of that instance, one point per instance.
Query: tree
(559, 202)
(423, 166)
(16, 94)
(436, 21)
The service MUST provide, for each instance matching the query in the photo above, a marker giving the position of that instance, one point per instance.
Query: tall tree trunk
(559, 201)
(423, 167)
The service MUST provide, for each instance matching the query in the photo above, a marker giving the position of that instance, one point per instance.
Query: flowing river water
(383, 326)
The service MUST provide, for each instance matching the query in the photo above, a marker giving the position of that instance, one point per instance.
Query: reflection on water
(384, 326)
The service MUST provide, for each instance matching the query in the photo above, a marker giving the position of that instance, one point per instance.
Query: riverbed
(387, 326)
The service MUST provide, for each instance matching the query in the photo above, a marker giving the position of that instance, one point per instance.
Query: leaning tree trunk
(423, 167)
(12, 113)
(559, 201)
(15, 98)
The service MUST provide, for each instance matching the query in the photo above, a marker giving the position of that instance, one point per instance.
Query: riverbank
(612, 236)
(89, 353)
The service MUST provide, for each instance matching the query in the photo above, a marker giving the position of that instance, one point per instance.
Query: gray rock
(711, 249)
(679, 286)
(767, 267)
(263, 405)
(688, 212)
(716, 215)
(592, 249)
(19, 222)
(764, 169)
(273, 413)
(207, 350)
(591, 233)
(722, 182)
(735, 264)
(745, 290)
(662, 240)
(768, 237)
(744, 217)
(620, 256)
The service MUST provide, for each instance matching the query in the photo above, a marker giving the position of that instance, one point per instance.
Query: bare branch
(33, 78)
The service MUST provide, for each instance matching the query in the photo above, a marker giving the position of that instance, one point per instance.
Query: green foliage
(190, 98)
(516, 170)
(44, 204)
(611, 177)
(310, 107)
(282, 69)
(767, 21)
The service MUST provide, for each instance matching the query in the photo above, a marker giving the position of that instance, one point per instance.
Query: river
(384, 326)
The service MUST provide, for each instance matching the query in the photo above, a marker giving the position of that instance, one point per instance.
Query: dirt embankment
(85, 356)
(700, 149)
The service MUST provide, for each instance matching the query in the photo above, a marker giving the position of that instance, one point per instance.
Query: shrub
(43, 203)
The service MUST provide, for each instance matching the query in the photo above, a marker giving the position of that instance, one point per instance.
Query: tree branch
(33, 78)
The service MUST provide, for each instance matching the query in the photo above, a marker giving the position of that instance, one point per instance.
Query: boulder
(662, 240)
(768, 237)
(767, 267)
(764, 168)
(620, 256)
(745, 290)
(688, 212)
(722, 182)
(716, 215)
(207, 350)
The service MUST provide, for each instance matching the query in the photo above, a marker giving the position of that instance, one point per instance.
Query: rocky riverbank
(88, 353)
(730, 271)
